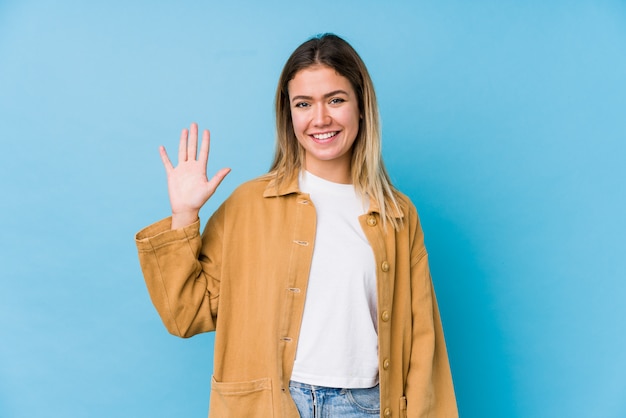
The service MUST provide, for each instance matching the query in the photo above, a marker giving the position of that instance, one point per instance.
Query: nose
(321, 117)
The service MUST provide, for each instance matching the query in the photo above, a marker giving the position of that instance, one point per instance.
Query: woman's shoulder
(250, 189)
(406, 204)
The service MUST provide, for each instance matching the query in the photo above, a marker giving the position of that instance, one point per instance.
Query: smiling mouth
(325, 136)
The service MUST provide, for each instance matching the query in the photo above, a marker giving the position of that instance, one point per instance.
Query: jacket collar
(292, 186)
(396, 213)
(286, 187)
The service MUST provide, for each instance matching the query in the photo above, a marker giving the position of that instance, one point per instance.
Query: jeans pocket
(366, 400)
(251, 399)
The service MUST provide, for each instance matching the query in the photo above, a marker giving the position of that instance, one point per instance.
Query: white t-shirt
(338, 344)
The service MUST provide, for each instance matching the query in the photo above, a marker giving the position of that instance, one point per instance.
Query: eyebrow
(327, 95)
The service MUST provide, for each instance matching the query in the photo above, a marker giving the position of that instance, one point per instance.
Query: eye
(301, 104)
(337, 100)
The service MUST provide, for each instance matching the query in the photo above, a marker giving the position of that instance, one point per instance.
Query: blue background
(504, 121)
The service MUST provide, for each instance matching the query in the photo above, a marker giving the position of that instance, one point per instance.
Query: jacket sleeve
(429, 387)
(181, 269)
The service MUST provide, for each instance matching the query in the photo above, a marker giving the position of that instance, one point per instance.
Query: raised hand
(188, 185)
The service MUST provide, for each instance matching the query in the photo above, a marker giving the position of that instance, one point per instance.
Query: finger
(217, 179)
(205, 146)
(182, 146)
(192, 143)
(166, 160)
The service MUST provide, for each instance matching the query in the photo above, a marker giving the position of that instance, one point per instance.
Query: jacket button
(385, 316)
(387, 413)
(371, 220)
(385, 266)
(386, 364)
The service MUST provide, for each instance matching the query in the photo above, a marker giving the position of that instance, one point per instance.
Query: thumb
(217, 179)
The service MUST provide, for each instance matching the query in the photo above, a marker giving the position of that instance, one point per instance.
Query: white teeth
(324, 136)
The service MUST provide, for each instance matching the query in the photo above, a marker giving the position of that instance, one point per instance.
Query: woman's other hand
(188, 185)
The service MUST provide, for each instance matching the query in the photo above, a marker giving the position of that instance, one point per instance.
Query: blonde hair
(369, 175)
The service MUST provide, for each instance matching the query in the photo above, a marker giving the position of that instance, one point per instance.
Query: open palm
(188, 185)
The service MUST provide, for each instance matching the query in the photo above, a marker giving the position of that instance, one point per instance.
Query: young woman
(315, 275)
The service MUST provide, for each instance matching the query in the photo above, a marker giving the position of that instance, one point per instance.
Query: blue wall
(504, 121)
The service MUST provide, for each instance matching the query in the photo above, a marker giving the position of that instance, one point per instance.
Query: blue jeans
(323, 402)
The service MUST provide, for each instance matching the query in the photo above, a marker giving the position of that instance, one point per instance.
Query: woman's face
(325, 116)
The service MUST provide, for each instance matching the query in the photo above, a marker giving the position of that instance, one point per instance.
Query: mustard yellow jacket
(246, 277)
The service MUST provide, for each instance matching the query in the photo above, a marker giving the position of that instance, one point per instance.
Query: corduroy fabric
(246, 277)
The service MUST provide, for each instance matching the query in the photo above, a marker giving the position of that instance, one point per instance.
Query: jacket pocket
(403, 407)
(251, 399)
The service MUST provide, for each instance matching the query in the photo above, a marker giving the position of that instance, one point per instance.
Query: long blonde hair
(369, 175)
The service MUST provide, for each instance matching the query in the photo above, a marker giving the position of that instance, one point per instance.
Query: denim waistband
(300, 385)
